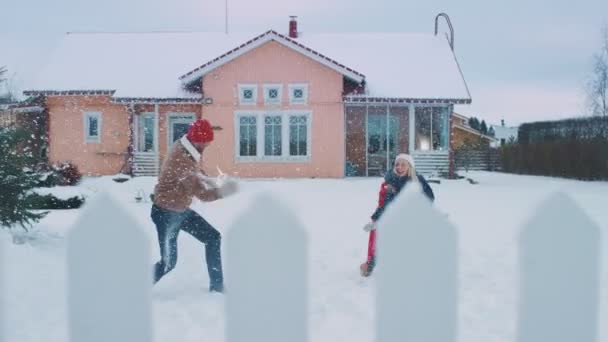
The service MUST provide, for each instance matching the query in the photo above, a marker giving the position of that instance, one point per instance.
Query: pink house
(318, 105)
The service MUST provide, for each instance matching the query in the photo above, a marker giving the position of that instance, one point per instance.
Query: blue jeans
(168, 225)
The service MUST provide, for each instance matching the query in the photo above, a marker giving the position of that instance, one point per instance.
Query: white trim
(262, 39)
(260, 126)
(171, 119)
(157, 132)
(190, 148)
(294, 86)
(412, 127)
(87, 138)
(267, 99)
(243, 86)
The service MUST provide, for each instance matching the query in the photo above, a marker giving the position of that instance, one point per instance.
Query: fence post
(109, 276)
(266, 275)
(417, 272)
(559, 261)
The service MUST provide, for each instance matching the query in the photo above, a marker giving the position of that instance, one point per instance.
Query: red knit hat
(200, 131)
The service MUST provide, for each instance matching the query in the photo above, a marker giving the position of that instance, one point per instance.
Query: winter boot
(367, 267)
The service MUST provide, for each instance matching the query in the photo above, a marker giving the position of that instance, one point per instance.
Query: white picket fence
(417, 275)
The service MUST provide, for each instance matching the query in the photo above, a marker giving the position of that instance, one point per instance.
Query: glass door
(383, 132)
(146, 133)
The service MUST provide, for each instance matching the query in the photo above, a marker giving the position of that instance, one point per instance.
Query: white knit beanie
(406, 157)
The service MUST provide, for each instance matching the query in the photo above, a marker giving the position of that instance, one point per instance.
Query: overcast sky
(523, 60)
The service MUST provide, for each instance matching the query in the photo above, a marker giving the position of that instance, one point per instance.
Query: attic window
(272, 93)
(247, 94)
(298, 93)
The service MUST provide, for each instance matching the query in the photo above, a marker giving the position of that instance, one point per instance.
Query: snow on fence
(417, 275)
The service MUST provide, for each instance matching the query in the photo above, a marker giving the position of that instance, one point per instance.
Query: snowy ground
(341, 304)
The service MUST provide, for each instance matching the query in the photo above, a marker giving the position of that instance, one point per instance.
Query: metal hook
(447, 19)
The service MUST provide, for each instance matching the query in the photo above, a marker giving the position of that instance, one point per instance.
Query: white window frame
(294, 86)
(246, 102)
(260, 126)
(88, 138)
(171, 118)
(272, 114)
(238, 134)
(270, 86)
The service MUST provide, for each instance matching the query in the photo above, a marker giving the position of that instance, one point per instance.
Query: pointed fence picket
(559, 259)
(266, 262)
(267, 295)
(109, 276)
(417, 286)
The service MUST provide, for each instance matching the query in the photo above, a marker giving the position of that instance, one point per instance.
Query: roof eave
(157, 100)
(72, 92)
(377, 99)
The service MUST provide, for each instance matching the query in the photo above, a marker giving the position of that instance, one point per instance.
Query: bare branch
(597, 87)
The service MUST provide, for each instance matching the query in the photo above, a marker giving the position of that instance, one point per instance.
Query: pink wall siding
(275, 63)
(67, 134)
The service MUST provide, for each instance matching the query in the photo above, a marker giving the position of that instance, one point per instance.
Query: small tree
(16, 179)
(597, 87)
(7, 91)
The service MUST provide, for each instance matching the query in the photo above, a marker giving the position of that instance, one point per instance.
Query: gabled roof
(262, 39)
(409, 67)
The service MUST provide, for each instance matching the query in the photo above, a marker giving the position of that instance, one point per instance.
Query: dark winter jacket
(392, 186)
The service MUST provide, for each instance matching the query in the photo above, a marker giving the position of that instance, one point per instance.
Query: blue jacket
(392, 186)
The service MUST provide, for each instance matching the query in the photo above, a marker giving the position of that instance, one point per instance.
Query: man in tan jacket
(179, 181)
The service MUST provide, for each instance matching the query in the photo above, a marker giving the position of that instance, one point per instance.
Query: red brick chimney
(293, 27)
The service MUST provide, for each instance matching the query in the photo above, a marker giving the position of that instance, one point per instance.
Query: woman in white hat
(395, 180)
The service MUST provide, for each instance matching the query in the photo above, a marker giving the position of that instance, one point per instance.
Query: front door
(178, 126)
(146, 133)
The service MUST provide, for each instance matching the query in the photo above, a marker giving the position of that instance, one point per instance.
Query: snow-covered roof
(150, 65)
(505, 132)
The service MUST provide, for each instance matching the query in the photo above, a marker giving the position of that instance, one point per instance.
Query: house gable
(260, 40)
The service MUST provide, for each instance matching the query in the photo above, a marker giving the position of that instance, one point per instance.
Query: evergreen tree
(474, 123)
(483, 128)
(16, 179)
(491, 132)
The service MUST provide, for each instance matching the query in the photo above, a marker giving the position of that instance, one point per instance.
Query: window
(298, 135)
(92, 127)
(272, 93)
(177, 126)
(248, 94)
(277, 136)
(298, 93)
(431, 128)
(248, 136)
(272, 135)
